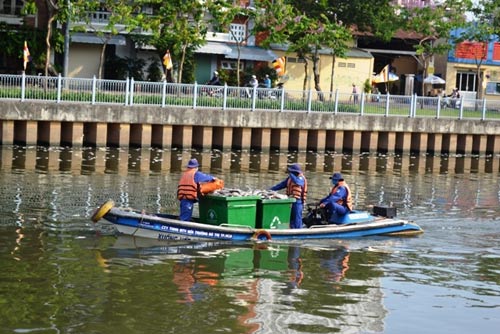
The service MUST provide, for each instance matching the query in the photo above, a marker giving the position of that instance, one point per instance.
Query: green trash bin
(217, 210)
(274, 213)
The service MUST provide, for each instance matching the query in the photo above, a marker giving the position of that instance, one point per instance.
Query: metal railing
(162, 94)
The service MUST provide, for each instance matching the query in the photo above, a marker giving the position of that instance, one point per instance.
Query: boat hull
(165, 227)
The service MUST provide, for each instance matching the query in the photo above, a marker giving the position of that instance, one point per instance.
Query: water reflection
(261, 281)
(48, 244)
(122, 161)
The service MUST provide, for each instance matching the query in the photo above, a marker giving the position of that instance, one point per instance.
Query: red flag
(167, 60)
(26, 55)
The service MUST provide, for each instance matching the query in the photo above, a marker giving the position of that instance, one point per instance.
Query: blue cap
(294, 168)
(193, 163)
(336, 177)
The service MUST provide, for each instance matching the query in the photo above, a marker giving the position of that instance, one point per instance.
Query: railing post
(23, 87)
(94, 84)
(483, 113)
(362, 104)
(163, 93)
(413, 103)
(282, 104)
(438, 110)
(195, 95)
(309, 100)
(461, 112)
(336, 107)
(254, 97)
(131, 97)
(127, 89)
(387, 96)
(224, 101)
(59, 88)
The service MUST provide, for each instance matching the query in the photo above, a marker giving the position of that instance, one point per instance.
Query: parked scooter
(275, 93)
(216, 91)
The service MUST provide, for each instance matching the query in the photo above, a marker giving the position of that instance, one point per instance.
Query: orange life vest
(348, 200)
(296, 191)
(187, 188)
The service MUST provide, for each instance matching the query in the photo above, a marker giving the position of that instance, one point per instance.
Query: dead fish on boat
(264, 194)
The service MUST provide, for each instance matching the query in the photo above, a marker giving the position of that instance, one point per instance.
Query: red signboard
(496, 51)
(471, 50)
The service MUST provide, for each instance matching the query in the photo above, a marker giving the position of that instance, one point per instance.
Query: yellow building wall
(490, 74)
(84, 60)
(347, 71)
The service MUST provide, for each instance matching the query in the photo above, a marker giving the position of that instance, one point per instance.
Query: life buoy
(102, 210)
(210, 187)
(259, 233)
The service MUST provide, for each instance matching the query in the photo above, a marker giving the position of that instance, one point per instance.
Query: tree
(224, 13)
(55, 10)
(121, 17)
(432, 27)
(178, 26)
(266, 19)
(478, 33)
(315, 28)
(376, 17)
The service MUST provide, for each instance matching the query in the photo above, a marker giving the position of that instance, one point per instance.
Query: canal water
(60, 273)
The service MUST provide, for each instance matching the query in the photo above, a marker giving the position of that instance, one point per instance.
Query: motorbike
(216, 90)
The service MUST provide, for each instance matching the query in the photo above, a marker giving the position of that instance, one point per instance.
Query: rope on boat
(140, 222)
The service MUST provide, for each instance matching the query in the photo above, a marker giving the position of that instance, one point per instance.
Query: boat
(168, 227)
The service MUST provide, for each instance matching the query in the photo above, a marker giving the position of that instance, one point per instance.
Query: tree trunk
(306, 73)
(47, 43)
(181, 65)
(101, 58)
(238, 65)
(479, 82)
(317, 75)
(334, 60)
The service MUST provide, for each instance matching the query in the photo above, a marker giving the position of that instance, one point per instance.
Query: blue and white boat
(168, 227)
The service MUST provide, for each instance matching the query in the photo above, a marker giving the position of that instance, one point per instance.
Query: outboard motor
(315, 216)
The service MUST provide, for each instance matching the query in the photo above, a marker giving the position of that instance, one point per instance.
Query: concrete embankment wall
(66, 124)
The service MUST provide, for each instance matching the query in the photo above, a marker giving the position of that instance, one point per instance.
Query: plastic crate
(217, 210)
(384, 211)
(274, 213)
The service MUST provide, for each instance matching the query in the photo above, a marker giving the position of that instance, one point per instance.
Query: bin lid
(277, 200)
(232, 198)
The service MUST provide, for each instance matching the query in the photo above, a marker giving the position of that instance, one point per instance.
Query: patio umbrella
(434, 80)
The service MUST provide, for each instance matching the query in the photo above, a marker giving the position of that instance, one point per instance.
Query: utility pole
(66, 42)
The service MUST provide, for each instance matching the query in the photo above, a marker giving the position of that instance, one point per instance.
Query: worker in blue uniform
(188, 189)
(339, 200)
(296, 187)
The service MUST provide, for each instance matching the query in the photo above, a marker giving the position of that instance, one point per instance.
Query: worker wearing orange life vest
(339, 201)
(189, 188)
(296, 186)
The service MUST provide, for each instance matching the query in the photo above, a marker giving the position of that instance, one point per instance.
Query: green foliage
(12, 42)
(177, 26)
(29, 8)
(121, 68)
(367, 86)
(376, 16)
(154, 72)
